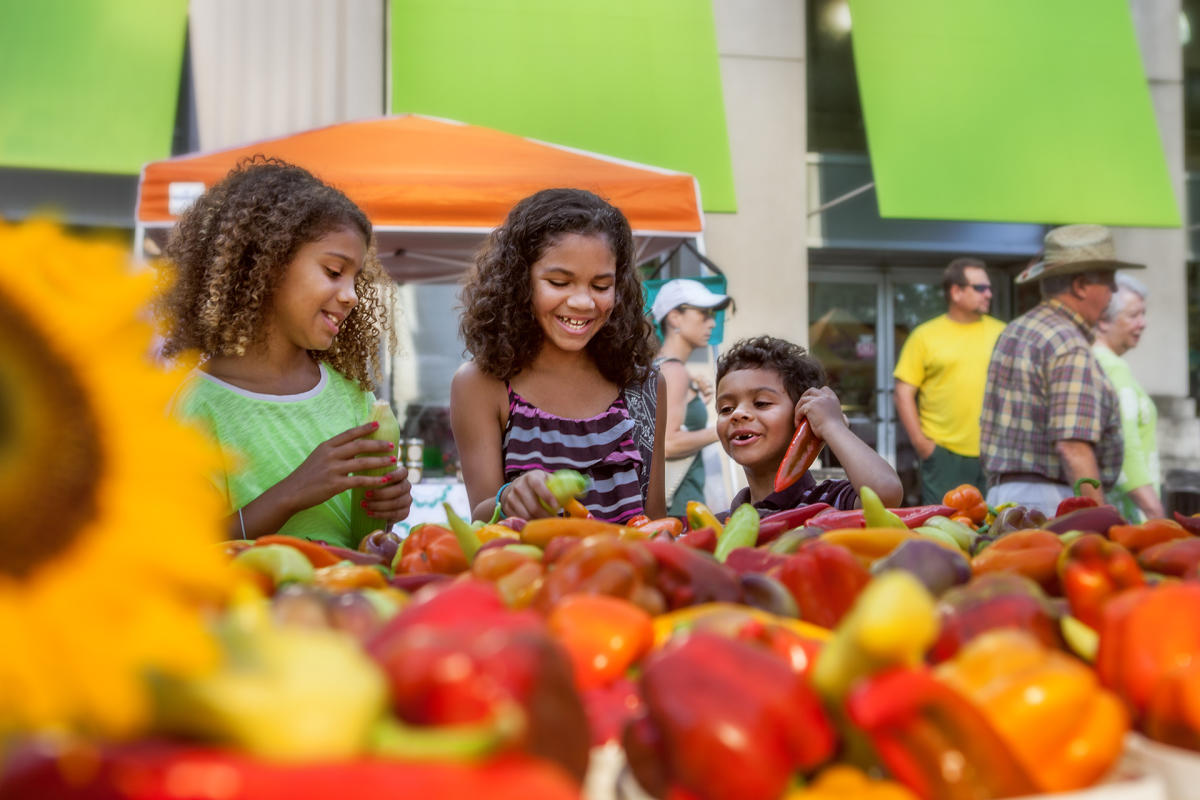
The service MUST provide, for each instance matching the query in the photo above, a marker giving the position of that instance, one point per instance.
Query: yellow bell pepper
(1063, 727)
(844, 782)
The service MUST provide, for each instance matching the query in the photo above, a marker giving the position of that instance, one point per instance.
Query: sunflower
(107, 522)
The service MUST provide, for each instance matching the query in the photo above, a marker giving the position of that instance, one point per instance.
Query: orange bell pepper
(1146, 634)
(968, 501)
(1173, 713)
(431, 548)
(1032, 552)
(1136, 538)
(1064, 728)
(603, 636)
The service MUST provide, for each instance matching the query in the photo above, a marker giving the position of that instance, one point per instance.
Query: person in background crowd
(940, 377)
(1136, 494)
(1050, 416)
(278, 288)
(560, 375)
(685, 312)
(765, 388)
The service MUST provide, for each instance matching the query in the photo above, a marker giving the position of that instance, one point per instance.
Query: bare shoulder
(474, 388)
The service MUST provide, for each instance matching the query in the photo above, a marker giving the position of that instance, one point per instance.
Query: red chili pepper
(913, 517)
(687, 577)
(800, 455)
(772, 526)
(1177, 557)
(672, 525)
(700, 539)
(1094, 519)
(1190, 524)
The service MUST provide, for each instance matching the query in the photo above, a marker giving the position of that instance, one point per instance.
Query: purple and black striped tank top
(611, 448)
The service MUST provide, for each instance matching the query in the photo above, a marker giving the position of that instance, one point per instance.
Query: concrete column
(1160, 360)
(762, 248)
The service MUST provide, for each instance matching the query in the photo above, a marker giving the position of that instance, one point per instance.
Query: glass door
(859, 319)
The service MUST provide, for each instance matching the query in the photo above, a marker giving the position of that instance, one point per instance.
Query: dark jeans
(944, 470)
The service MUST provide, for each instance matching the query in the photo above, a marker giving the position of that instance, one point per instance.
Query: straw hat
(1076, 248)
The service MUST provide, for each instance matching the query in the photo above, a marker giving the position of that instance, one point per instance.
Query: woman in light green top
(277, 287)
(1137, 493)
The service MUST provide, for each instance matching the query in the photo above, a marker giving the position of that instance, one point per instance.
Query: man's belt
(1024, 477)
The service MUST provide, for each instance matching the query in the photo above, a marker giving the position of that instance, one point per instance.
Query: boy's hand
(327, 470)
(823, 409)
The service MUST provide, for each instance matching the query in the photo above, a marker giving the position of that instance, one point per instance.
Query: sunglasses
(982, 288)
(707, 313)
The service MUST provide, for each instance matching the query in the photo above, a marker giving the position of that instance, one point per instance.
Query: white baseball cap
(684, 292)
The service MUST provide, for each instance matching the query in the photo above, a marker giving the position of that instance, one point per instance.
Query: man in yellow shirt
(940, 378)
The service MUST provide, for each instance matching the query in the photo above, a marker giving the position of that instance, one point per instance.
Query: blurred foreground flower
(107, 524)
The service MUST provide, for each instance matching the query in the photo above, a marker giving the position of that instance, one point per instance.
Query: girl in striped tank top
(561, 374)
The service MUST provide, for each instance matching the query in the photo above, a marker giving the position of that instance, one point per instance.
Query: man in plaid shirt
(1050, 416)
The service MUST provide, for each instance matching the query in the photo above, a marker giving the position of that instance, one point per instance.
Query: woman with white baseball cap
(684, 311)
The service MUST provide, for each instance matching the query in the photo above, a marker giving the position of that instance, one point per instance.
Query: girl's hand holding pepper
(329, 469)
(528, 497)
(391, 500)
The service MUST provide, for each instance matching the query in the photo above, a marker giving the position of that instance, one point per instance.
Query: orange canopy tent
(433, 188)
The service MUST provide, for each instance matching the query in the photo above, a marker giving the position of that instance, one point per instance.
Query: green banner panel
(1010, 111)
(89, 85)
(633, 79)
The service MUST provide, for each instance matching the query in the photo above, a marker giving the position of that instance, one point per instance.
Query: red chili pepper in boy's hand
(800, 455)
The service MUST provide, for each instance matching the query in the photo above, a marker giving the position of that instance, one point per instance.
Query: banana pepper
(1064, 728)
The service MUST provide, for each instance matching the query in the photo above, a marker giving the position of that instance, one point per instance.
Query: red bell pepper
(459, 655)
(824, 579)
(724, 719)
(1177, 557)
(801, 453)
(1077, 502)
(1136, 538)
(699, 539)
(772, 526)
(933, 740)
(1092, 570)
(158, 770)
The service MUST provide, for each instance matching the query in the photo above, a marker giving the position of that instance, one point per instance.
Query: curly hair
(795, 365)
(228, 254)
(498, 325)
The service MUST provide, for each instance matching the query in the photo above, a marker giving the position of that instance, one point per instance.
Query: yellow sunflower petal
(107, 520)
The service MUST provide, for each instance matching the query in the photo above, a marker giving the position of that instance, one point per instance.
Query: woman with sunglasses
(684, 311)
